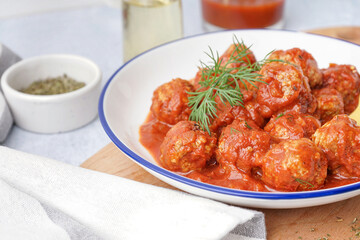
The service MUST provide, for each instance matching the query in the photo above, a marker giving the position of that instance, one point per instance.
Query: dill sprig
(221, 79)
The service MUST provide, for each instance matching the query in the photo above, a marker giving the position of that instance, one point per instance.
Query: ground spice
(51, 86)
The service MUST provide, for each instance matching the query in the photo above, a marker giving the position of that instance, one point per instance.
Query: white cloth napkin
(7, 58)
(42, 198)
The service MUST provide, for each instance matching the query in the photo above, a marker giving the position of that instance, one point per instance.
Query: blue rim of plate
(205, 186)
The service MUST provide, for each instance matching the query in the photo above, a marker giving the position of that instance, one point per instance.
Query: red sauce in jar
(234, 14)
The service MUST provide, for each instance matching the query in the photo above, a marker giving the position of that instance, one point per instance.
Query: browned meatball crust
(242, 143)
(329, 103)
(186, 147)
(346, 80)
(253, 108)
(292, 126)
(294, 165)
(286, 88)
(226, 114)
(304, 60)
(170, 101)
(340, 141)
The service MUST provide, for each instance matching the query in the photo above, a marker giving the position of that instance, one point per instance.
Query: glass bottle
(148, 23)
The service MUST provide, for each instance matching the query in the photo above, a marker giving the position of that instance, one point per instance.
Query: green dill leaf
(233, 130)
(279, 116)
(303, 182)
(247, 125)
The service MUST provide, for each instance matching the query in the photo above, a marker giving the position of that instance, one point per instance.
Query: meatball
(226, 114)
(340, 141)
(242, 143)
(294, 165)
(346, 80)
(170, 101)
(329, 103)
(286, 88)
(304, 60)
(254, 110)
(292, 126)
(233, 51)
(186, 147)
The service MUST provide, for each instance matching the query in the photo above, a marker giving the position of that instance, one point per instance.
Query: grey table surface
(95, 32)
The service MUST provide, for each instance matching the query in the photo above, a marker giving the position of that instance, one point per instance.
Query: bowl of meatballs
(258, 118)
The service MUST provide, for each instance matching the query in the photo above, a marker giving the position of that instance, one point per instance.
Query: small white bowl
(52, 113)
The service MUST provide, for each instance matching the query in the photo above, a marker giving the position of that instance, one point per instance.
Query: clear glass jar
(148, 23)
(240, 14)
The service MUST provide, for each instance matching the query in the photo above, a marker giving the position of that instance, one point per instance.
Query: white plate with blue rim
(126, 99)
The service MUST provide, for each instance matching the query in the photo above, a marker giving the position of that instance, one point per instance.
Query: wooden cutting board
(351, 34)
(333, 221)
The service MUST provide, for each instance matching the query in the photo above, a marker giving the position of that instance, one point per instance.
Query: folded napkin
(7, 58)
(6, 119)
(42, 198)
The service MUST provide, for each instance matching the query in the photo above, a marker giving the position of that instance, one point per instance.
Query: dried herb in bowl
(51, 86)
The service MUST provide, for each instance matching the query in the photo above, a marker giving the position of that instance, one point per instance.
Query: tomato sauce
(234, 14)
(153, 132)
